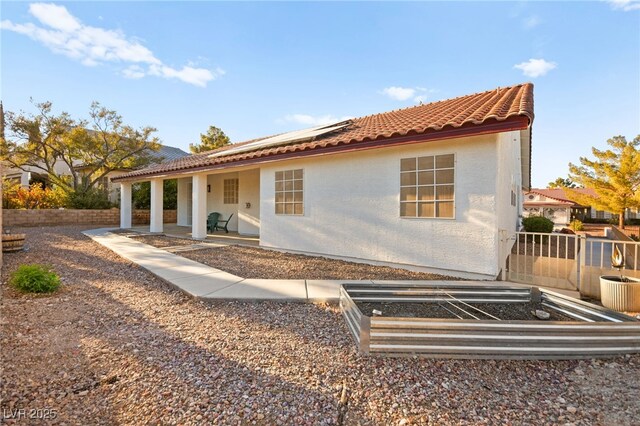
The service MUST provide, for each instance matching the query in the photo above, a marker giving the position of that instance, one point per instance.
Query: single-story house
(429, 187)
(553, 204)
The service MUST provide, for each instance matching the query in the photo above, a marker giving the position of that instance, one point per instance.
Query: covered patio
(234, 194)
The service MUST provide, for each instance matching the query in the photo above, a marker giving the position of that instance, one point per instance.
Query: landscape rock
(137, 352)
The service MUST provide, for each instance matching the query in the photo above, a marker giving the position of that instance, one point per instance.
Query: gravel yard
(251, 262)
(116, 345)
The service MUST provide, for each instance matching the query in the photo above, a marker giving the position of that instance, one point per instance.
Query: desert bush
(576, 225)
(595, 220)
(141, 194)
(35, 278)
(34, 197)
(537, 224)
(92, 198)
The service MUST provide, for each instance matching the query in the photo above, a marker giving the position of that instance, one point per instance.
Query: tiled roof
(474, 112)
(559, 194)
(168, 153)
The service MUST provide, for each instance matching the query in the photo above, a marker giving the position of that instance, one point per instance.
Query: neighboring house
(427, 187)
(554, 204)
(164, 154)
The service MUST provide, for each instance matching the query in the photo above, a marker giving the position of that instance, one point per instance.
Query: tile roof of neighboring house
(168, 153)
(559, 195)
(501, 109)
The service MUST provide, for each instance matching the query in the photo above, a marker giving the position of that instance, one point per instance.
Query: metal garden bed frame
(596, 331)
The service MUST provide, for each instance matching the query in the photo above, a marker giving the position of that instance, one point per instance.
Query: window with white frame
(427, 186)
(289, 192)
(230, 191)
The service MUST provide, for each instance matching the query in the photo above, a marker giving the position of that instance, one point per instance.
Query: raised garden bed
(482, 321)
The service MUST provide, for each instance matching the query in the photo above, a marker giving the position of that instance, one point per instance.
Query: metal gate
(565, 261)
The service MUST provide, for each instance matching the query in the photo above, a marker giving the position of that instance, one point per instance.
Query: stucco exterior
(367, 189)
(351, 206)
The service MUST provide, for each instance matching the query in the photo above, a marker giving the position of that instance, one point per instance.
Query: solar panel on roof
(286, 138)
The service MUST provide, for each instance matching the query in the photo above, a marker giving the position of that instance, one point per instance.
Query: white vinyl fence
(567, 262)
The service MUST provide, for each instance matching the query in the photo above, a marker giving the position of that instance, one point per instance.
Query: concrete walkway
(205, 282)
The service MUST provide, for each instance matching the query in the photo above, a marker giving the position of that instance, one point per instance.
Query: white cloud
(64, 34)
(536, 67)
(399, 93)
(531, 22)
(626, 5)
(134, 72)
(310, 120)
(56, 17)
(188, 74)
(417, 94)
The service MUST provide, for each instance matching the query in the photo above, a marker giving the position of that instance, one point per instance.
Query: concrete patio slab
(258, 289)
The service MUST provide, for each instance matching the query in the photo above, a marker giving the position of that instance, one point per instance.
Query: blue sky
(255, 69)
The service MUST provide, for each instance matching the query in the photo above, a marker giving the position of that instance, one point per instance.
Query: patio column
(156, 221)
(125, 205)
(199, 211)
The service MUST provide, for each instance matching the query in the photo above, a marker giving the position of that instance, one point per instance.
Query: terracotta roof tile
(559, 194)
(471, 110)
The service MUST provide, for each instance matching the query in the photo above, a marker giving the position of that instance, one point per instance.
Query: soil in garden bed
(504, 311)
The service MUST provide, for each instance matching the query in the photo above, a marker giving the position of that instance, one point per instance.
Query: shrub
(35, 279)
(595, 220)
(576, 225)
(141, 194)
(89, 199)
(34, 197)
(634, 237)
(537, 224)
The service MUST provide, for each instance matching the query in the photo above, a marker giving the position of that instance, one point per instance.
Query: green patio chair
(212, 220)
(222, 224)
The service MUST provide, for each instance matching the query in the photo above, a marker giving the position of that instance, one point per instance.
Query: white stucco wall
(215, 199)
(508, 180)
(249, 192)
(351, 204)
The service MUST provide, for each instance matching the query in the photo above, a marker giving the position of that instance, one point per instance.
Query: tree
(614, 176)
(562, 183)
(213, 139)
(87, 149)
(141, 194)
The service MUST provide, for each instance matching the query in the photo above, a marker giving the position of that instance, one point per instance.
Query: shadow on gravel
(140, 362)
(170, 358)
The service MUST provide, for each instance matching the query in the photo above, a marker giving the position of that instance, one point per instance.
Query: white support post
(183, 200)
(125, 205)
(199, 211)
(156, 220)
